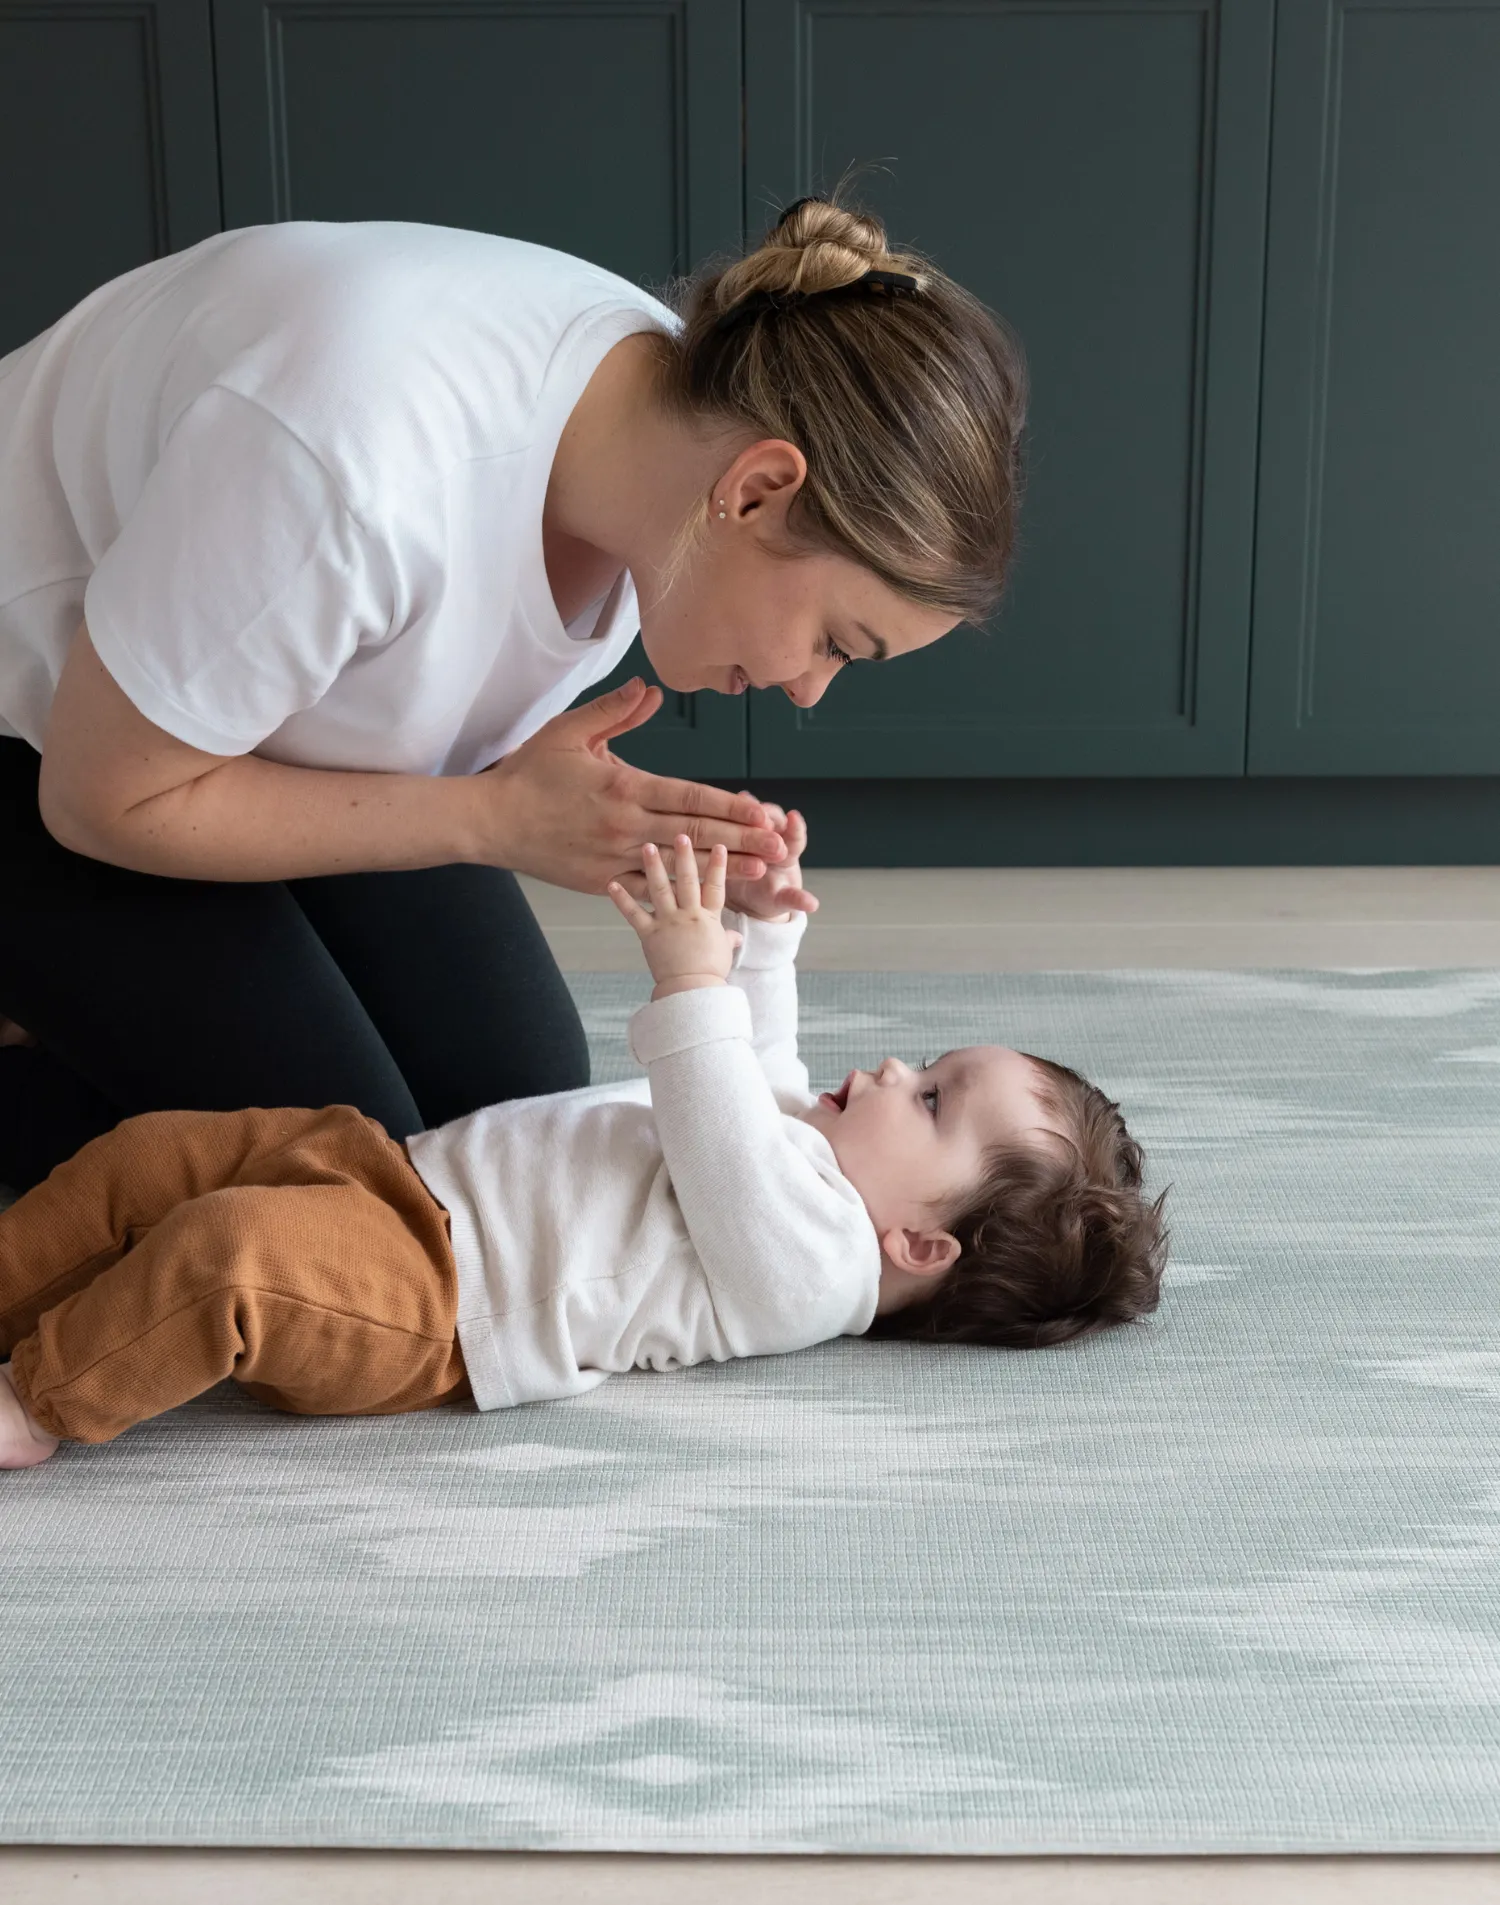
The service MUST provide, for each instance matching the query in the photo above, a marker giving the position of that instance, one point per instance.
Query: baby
(529, 1250)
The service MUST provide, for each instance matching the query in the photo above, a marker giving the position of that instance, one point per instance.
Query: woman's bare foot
(22, 1443)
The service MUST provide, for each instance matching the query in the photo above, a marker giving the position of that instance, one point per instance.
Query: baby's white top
(667, 1220)
(293, 477)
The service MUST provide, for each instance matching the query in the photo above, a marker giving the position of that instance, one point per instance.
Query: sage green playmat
(1226, 1582)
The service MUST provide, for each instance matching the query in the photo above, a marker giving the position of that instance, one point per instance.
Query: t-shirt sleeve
(240, 584)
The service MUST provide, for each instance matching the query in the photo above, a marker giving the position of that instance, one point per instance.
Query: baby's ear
(921, 1253)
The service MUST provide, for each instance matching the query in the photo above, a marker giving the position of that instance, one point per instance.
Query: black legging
(415, 996)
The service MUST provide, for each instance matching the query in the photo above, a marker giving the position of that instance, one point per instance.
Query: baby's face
(911, 1141)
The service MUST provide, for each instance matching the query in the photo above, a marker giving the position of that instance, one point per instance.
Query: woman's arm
(120, 789)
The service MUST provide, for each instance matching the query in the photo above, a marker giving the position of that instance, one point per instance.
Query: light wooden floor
(933, 919)
(1002, 919)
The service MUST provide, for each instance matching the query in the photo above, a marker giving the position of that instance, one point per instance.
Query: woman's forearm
(253, 819)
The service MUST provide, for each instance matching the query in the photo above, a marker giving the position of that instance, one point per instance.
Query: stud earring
(721, 509)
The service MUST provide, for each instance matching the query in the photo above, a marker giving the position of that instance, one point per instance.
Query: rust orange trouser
(297, 1251)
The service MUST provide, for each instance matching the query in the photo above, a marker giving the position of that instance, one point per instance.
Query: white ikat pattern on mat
(1229, 1581)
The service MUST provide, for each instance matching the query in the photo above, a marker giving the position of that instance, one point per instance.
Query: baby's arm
(786, 1244)
(765, 971)
(771, 916)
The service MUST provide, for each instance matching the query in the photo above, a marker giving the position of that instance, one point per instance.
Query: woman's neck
(624, 475)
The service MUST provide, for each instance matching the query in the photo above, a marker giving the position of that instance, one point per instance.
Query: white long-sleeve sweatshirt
(687, 1215)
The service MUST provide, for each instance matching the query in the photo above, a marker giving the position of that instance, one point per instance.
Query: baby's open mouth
(837, 1099)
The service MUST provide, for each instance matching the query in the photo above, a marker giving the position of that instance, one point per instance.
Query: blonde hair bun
(814, 246)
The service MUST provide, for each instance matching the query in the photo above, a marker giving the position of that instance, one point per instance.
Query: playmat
(1228, 1581)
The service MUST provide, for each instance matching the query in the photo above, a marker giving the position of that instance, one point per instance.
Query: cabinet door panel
(1097, 174)
(1377, 622)
(608, 128)
(107, 146)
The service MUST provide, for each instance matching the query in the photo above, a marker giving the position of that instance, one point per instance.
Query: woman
(309, 537)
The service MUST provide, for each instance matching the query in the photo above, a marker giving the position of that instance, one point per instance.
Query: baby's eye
(934, 1094)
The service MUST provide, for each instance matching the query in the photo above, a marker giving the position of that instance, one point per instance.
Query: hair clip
(897, 281)
(888, 282)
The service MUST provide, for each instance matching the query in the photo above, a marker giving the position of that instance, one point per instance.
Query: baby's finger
(633, 883)
(795, 834)
(686, 871)
(639, 918)
(658, 886)
(713, 885)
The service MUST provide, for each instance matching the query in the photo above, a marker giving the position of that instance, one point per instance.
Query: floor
(1003, 919)
(999, 919)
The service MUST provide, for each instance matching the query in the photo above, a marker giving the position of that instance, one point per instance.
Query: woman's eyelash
(833, 652)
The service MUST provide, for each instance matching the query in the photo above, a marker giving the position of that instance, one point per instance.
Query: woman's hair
(907, 406)
(1055, 1242)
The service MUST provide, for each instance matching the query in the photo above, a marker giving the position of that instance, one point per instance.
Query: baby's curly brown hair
(1055, 1242)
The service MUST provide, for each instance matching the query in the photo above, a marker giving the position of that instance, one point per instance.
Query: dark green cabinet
(1096, 174)
(1250, 247)
(1377, 600)
(108, 147)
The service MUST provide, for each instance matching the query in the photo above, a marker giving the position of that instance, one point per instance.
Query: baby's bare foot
(22, 1443)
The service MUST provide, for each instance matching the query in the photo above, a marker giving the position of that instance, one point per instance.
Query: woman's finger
(708, 815)
(775, 816)
(637, 915)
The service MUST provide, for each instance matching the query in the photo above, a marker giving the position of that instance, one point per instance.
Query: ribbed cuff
(765, 942)
(689, 1018)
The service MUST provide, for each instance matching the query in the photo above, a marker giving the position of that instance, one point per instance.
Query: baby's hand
(685, 943)
(780, 886)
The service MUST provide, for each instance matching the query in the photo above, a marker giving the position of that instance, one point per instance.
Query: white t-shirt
(293, 478)
(686, 1216)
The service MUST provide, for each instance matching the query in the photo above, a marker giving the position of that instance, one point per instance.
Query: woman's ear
(921, 1253)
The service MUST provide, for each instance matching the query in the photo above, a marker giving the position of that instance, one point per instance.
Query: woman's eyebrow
(877, 642)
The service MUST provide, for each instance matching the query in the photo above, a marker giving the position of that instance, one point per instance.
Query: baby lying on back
(528, 1250)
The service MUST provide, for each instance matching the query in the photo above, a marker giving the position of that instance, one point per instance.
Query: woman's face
(742, 617)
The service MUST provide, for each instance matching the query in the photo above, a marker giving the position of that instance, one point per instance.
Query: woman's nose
(809, 689)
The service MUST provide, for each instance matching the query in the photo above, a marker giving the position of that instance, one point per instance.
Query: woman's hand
(566, 810)
(685, 942)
